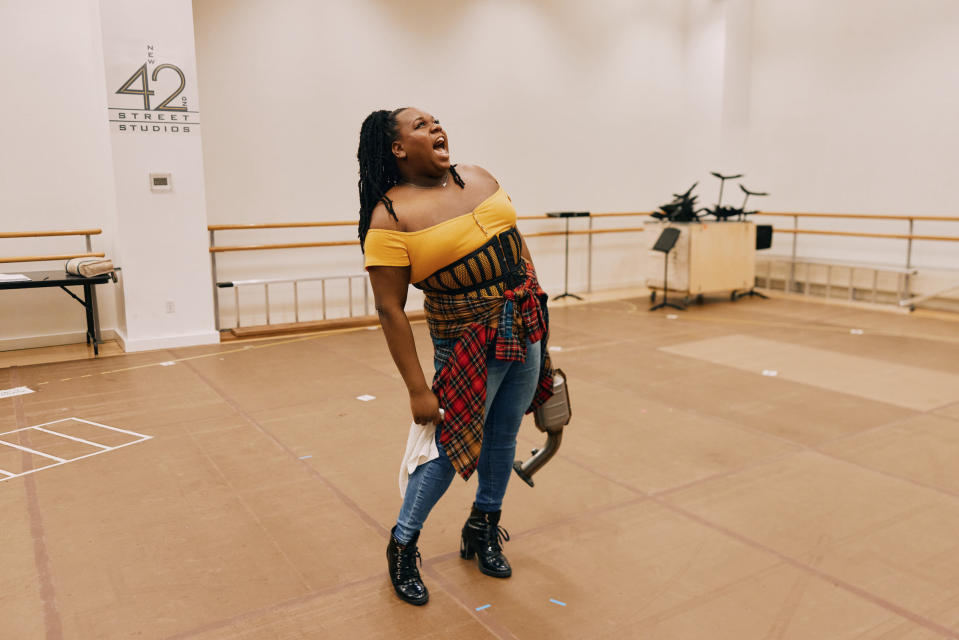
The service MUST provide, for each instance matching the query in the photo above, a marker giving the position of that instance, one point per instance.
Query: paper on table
(13, 277)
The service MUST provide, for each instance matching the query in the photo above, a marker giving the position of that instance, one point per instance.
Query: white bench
(798, 276)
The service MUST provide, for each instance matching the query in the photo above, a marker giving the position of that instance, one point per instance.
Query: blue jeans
(509, 390)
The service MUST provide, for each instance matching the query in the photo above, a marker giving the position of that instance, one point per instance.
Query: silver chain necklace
(445, 182)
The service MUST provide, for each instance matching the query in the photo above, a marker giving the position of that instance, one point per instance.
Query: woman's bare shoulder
(477, 173)
(381, 218)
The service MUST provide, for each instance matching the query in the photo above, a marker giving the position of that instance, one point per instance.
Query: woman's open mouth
(440, 147)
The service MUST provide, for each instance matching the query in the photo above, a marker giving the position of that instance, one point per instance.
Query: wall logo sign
(153, 99)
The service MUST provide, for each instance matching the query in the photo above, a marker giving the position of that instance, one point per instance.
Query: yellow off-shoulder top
(428, 250)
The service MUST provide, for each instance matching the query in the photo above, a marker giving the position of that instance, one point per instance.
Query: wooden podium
(709, 257)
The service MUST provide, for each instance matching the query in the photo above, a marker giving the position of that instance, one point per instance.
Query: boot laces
(497, 536)
(406, 563)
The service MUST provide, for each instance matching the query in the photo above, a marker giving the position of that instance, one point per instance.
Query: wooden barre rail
(795, 215)
(288, 245)
(540, 234)
(909, 237)
(858, 234)
(350, 223)
(65, 256)
(858, 216)
(611, 214)
(89, 253)
(44, 234)
(614, 214)
(280, 225)
(344, 243)
(619, 214)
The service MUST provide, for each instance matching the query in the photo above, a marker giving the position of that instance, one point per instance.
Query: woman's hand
(425, 407)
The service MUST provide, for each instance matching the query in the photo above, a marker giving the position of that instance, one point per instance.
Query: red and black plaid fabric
(478, 326)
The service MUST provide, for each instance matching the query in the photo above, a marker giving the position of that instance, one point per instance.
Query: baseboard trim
(166, 342)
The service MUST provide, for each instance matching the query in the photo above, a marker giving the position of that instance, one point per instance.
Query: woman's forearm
(399, 338)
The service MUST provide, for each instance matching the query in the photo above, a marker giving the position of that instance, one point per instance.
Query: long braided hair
(378, 169)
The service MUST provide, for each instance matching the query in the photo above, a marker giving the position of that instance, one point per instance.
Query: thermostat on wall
(161, 182)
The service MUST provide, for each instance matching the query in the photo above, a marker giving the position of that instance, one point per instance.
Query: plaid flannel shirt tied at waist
(465, 331)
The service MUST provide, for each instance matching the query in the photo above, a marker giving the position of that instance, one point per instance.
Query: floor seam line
(314, 594)
(888, 474)
(47, 590)
(725, 474)
(259, 523)
(496, 628)
(350, 504)
(589, 513)
(879, 601)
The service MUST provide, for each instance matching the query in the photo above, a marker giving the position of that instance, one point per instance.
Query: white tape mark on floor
(103, 448)
(16, 391)
(366, 397)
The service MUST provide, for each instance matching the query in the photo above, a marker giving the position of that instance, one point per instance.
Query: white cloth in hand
(420, 447)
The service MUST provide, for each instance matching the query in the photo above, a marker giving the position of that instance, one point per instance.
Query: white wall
(571, 105)
(65, 166)
(55, 165)
(605, 106)
(609, 105)
(161, 236)
(852, 108)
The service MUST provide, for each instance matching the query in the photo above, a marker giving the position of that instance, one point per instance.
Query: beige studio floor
(763, 469)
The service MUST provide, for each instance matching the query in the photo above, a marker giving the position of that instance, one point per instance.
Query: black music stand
(665, 243)
(764, 240)
(567, 215)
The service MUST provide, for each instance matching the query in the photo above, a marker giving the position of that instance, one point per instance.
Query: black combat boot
(483, 536)
(401, 559)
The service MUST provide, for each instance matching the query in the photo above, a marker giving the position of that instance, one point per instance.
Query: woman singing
(450, 230)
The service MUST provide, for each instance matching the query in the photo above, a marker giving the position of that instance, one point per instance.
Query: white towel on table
(420, 447)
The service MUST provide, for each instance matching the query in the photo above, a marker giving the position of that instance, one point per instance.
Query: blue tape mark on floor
(305, 457)
(562, 604)
(485, 606)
